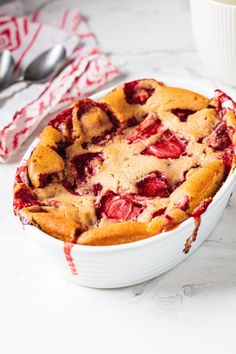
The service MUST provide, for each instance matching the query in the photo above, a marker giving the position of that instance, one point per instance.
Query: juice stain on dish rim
(69, 259)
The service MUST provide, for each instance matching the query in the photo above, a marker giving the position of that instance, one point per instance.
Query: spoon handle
(10, 83)
(5, 98)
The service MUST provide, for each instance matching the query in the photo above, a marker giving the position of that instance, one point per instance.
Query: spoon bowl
(46, 64)
(6, 67)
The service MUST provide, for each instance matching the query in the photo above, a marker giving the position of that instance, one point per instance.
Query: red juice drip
(193, 237)
(69, 259)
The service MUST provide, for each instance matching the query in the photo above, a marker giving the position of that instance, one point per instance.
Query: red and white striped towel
(26, 38)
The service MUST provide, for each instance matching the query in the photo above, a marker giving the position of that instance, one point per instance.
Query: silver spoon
(44, 67)
(6, 67)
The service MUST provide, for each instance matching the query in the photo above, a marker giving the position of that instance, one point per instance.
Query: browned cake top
(131, 165)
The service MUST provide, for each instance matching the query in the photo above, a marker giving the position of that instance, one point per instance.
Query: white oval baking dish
(132, 263)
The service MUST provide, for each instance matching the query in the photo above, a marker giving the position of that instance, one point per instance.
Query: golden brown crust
(168, 98)
(51, 137)
(114, 234)
(201, 123)
(57, 226)
(122, 109)
(200, 185)
(69, 210)
(44, 161)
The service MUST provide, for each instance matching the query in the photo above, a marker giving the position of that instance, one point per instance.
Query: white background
(190, 309)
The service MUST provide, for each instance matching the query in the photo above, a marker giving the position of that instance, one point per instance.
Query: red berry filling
(228, 159)
(224, 103)
(118, 207)
(24, 197)
(135, 93)
(45, 179)
(219, 138)
(170, 146)
(69, 187)
(131, 122)
(158, 212)
(97, 188)
(184, 204)
(63, 121)
(148, 127)
(182, 114)
(22, 174)
(198, 211)
(85, 165)
(154, 185)
(61, 148)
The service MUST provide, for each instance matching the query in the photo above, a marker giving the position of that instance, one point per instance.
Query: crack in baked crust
(136, 163)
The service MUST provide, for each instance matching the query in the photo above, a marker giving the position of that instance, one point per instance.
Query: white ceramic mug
(214, 27)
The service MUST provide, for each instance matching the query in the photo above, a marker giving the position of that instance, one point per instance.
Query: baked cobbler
(136, 163)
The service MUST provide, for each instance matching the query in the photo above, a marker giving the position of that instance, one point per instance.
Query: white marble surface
(190, 309)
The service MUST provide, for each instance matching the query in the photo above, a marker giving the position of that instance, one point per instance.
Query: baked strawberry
(219, 138)
(154, 185)
(158, 212)
(148, 127)
(170, 146)
(184, 203)
(63, 121)
(84, 165)
(135, 93)
(118, 207)
(24, 197)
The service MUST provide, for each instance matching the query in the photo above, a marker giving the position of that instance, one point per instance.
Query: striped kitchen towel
(22, 106)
